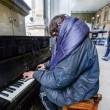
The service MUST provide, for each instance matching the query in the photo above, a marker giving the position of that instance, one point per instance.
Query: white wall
(60, 7)
(65, 7)
(88, 5)
(54, 8)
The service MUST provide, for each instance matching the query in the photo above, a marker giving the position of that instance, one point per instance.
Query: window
(106, 16)
(98, 19)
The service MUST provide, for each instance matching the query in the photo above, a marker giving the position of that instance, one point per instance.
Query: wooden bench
(91, 104)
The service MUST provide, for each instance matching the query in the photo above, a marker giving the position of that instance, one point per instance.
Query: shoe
(104, 56)
(105, 59)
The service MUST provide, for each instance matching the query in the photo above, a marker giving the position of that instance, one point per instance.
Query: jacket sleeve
(64, 73)
(47, 64)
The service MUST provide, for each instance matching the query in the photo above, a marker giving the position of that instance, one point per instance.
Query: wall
(5, 25)
(11, 22)
(103, 24)
(36, 26)
(65, 7)
(84, 16)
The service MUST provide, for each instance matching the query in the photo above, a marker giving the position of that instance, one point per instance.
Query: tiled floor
(104, 80)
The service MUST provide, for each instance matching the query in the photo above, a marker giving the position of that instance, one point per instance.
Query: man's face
(54, 34)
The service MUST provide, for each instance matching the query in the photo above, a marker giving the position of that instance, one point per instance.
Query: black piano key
(12, 88)
(8, 90)
(4, 94)
(23, 80)
(15, 85)
(26, 80)
(20, 82)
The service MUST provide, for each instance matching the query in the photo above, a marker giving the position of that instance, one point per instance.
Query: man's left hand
(28, 75)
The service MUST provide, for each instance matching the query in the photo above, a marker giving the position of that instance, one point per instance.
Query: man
(73, 71)
(106, 57)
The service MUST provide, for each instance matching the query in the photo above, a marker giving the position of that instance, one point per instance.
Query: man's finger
(24, 73)
(26, 79)
(25, 76)
(39, 66)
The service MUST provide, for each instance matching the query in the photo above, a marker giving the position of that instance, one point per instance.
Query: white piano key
(4, 97)
(10, 94)
(4, 91)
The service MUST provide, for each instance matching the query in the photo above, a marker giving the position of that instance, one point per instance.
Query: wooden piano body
(17, 55)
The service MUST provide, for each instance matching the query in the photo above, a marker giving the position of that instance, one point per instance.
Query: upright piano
(19, 54)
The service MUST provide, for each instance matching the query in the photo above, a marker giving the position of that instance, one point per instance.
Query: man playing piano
(73, 71)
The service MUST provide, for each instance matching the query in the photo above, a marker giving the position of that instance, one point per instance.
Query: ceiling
(88, 5)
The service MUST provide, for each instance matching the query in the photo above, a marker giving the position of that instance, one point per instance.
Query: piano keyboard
(15, 90)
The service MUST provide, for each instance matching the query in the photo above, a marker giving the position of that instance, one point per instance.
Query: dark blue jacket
(75, 78)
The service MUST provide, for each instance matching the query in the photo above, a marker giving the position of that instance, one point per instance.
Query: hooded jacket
(73, 74)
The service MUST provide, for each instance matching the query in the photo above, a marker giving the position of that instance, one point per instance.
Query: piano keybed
(14, 90)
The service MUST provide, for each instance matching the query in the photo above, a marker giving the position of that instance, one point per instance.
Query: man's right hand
(41, 67)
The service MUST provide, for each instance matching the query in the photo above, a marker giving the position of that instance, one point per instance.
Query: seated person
(73, 71)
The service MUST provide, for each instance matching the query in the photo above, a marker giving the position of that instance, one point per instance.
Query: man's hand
(28, 75)
(41, 67)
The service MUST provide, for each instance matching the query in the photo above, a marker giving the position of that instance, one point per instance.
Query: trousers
(49, 105)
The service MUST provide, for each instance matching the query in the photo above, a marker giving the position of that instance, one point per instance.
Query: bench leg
(65, 108)
(96, 106)
(97, 100)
